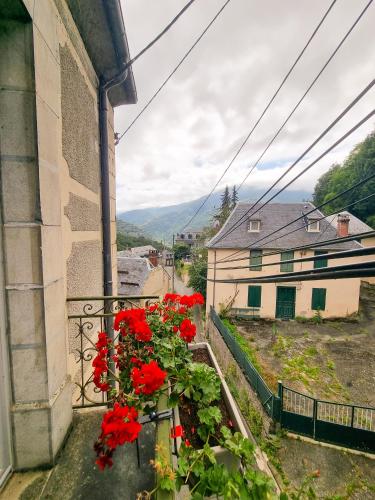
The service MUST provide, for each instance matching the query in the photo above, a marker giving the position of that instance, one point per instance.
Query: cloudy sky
(180, 146)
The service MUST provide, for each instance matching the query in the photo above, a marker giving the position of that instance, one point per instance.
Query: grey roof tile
(273, 216)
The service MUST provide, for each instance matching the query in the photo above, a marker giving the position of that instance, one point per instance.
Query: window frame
(318, 264)
(258, 289)
(254, 257)
(323, 298)
(310, 226)
(250, 229)
(288, 267)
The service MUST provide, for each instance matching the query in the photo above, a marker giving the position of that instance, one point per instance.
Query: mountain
(130, 235)
(162, 222)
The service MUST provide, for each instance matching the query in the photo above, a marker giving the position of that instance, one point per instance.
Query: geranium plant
(148, 357)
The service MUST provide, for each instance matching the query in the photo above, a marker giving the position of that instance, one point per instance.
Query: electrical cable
(335, 255)
(311, 274)
(328, 150)
(319, 244)
(325, 131)
(172, 73)
(318, 241)
(260, 117)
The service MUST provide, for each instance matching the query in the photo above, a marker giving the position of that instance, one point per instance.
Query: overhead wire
(172, 72)
(328, 150)
(318, 242)
(244, 142)
(301, 156)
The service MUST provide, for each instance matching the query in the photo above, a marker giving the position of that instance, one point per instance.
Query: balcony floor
(77, 477)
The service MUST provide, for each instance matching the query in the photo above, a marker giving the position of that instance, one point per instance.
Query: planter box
(223, 456)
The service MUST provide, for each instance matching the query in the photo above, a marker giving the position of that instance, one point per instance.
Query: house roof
(132, 274)
(356, 226)
(273, 216)
(144, 250)
(101, 26)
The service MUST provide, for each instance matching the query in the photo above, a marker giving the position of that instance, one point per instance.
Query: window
(190, 236)
(321, 262)
(288, 267)
(318, 299)
(256, 260)
(182, 236)
(313, 226)
(254, 296)
(254, 226)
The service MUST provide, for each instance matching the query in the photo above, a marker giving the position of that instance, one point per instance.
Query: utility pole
(173, 264)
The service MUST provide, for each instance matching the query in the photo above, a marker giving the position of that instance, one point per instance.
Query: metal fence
(347, 425)
(86, 317)
(268, 399)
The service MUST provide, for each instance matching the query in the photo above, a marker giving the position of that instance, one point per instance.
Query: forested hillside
(359, 165)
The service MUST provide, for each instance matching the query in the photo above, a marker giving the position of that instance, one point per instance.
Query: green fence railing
(269, 400)
(352, 426)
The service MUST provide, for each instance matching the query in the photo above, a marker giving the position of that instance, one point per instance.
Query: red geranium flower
(103, 461)
(177, 432)
(187, 330)
(102, 340)
(120, 426)
(148, 379)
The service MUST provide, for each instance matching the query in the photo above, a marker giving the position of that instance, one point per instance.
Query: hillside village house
(58, 235)
(333, 298)
(190, 238)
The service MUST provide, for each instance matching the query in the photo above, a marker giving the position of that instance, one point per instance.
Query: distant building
(284, 300)
(137, 276)
(191, 238)
(167, 258)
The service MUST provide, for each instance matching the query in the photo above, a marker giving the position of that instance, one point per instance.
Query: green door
(285, 302)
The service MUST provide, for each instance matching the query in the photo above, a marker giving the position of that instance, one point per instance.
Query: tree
(234, 197)
(359, 165)
(225, 207)
(198, 271)
(181, 251)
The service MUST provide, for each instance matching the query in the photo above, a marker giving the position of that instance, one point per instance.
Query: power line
(334, 255)
(261, 116)
(328, 150)
(172, 73)
(336, 272)
(160, 35)
(300, 101)
(319, 242)
(324, 133)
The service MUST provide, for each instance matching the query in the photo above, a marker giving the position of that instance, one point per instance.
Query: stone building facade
(53, 54)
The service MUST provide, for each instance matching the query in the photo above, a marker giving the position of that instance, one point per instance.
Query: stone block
(48, 125)
(16, 56)
(46, 21)
(25, 308)
(85, 269)
(19, 182)
(31, 438)
(17, 123)
(61, 417)
(29, 374)
(56, 334)
(52, 252)
(23, 255)
(83, 215)
(29, 4)
(47, 74)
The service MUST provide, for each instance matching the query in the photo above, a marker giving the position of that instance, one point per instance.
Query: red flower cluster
(133, 321)
(185, 300)
(187, 330)
(100, 362)
(147, 379)
(119, 426)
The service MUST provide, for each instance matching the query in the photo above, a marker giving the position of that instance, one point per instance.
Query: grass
(242, 342)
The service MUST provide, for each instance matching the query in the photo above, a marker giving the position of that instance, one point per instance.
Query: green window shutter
(320, 263)
(318, 299)
(254, 297)
(256, 260)
(287, 268)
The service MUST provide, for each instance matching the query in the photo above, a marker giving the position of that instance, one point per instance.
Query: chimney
(342, 225)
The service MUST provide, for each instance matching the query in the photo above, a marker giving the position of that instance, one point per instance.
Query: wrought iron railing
(87, 316)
